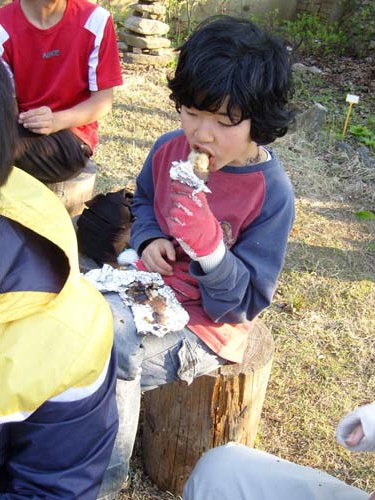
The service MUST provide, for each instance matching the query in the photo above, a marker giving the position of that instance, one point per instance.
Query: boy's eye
(190, 111)
(226, 123)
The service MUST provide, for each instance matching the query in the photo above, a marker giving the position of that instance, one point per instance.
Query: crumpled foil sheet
(154, 305)
(183, 172)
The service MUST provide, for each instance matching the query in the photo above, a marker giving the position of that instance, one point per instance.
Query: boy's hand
(39, 120)
(192, 223)
(156, 255)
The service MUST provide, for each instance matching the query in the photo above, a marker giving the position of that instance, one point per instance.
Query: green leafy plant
(309, 34)
(180, 17)
(364, 135)
(118, 13)
(359, 24)
(365, 215)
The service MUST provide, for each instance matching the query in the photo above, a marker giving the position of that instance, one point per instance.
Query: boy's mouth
(207, 153)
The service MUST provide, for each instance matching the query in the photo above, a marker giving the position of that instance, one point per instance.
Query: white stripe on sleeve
(96, 24)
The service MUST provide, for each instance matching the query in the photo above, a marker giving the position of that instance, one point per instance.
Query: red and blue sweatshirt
(255, 207)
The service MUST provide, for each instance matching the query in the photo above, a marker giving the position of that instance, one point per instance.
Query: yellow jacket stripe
(51, 345)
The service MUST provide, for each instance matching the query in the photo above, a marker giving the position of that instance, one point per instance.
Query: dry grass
(322, 317)
(323, 322)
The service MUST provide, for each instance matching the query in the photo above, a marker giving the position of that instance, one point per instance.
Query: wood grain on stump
(182, 421)
(75, 191)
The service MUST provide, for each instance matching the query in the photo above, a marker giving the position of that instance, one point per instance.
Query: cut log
(183, 421)
(75, 191)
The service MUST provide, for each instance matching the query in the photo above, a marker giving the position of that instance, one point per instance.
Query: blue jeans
(144, 363)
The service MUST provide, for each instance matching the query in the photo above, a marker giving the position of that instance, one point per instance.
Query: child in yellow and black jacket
(58, 414)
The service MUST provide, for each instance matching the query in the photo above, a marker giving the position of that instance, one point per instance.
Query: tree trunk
(181, 422)
(75, 191)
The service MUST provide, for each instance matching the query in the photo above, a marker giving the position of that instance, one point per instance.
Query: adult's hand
(356, 430)
(355, 436)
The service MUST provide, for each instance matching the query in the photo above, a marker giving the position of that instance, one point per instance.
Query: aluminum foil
(183, 172)
(154, 305)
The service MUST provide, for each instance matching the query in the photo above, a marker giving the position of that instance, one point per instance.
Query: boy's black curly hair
(7, 124)
(232, 58)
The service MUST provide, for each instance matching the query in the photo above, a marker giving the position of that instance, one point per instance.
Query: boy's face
(215, 135)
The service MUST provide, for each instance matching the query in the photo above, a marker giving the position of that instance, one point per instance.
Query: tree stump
(182, 421)
(75, 191)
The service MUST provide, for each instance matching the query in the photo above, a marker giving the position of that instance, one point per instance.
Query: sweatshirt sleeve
(243, 284)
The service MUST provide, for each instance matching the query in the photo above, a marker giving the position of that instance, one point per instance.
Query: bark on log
(181, 422)
(75, 191)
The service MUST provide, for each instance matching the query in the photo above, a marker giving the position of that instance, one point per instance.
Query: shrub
(311, 35)
(359, 25)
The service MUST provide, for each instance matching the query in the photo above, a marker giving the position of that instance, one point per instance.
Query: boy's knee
(207, 476)
(222, 472)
